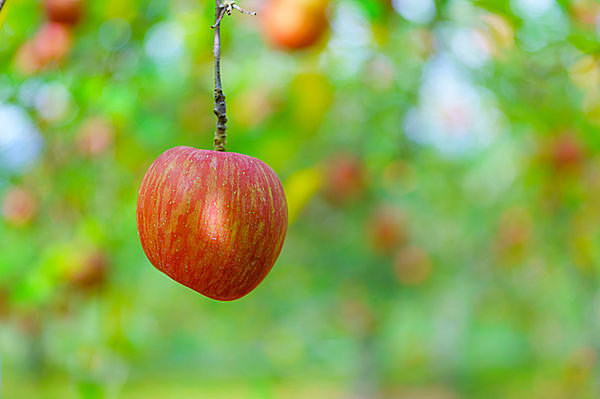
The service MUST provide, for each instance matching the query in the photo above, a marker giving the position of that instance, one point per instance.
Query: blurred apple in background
(90, 271)
(95, 136)
(19, 207)
(344, 179)
(412, 265)
(514, 232)
(27, 60)
(295, 24)
(386, 229)
(68, 12)
(585, 11)
(566, 152)
(52, 42)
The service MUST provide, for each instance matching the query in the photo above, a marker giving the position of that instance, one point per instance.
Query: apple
(19, 207)
(95, 136)
(412, 265)
(90, 271)
(563, 152)
(52, 43)
(344, 179)
(585, 11)
(212, 221)
(295, 24)
(68, 12)
(567, 152)
(514, 232)
(27, 61)
(386, 230)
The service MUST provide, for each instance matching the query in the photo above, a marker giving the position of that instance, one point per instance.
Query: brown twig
(220, 102)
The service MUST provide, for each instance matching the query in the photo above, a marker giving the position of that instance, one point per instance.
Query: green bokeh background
(498, 183)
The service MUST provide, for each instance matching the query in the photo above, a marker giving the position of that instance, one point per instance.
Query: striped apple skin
(212, 221)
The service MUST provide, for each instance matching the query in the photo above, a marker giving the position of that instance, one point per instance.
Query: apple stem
(2, 2)
(220, 110)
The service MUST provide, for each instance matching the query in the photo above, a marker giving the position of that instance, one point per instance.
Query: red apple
(67, 12)
(386, 230)
(27, 60)
(344, 179)
(212, 221)
(91, 270)
(295, 24)
(567, 152)
(19, 207)
(513, 234)
(52, 43)
(412, 265)
(585, 11)
(95, 136)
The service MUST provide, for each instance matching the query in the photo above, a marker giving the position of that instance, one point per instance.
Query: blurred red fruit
(19, 207)
(295, 24)
(514, 232)
(52, 43)
(344, 179)
(412, 265)
(585, 11)
(91, 271)
(67, 12)
(95, 136)
(386, 230)
(27, 60)
(565, 152)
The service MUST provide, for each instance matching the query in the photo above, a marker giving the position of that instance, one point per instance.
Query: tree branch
(220, 103)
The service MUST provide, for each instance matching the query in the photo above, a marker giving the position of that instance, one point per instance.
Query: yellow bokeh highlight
(299, 188)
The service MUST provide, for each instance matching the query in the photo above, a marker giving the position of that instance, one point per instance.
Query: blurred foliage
(440, 162)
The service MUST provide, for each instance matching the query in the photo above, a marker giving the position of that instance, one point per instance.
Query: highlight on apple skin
(212, 221)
